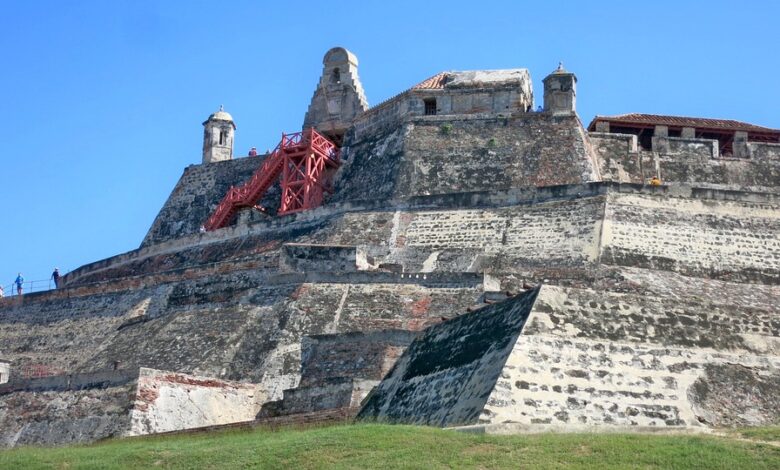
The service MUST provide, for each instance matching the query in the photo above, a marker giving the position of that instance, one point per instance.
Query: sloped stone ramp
(579, 358)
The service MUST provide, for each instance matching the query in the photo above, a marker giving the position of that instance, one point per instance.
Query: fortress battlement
(476, 259)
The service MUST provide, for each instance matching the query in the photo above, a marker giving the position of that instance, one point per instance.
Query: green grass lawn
(384, 446)
(766, 433)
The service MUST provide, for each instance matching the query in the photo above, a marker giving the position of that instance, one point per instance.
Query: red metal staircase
(305, 160)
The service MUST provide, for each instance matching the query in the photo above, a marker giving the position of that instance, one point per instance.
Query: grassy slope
(375, 446)
(767, 433)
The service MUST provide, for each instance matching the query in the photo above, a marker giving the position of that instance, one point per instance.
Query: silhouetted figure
(253, 152)
(56, 277)
(19, 284)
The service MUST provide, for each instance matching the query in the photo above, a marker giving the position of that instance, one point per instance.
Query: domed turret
(560, 92)
(218, 133)
(220, 115)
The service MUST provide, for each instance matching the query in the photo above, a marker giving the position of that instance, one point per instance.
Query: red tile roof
(681, 121)
(434, 83)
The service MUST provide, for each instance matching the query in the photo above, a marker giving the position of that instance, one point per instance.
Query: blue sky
(103, 101)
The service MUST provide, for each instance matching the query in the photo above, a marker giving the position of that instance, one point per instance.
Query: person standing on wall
(56, 277)
(19, 284)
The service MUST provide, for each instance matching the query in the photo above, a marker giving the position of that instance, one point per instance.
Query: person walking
(56, 277)
(19, 284)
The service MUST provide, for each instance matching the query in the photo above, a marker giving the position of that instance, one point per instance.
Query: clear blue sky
(103, 101)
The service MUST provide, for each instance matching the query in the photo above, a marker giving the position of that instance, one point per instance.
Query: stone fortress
(480, 263)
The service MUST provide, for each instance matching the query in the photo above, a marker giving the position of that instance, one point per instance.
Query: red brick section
(187, 380)
(301, 420)
(146, 396)
(36, 371)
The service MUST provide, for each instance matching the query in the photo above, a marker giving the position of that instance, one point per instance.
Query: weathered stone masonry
(657, 305)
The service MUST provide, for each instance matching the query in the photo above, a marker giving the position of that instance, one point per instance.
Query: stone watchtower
(560, 92)
(339, 97)
(218, 132)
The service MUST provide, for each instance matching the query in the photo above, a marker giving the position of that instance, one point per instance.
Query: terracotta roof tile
(681, 121)
(434, 83)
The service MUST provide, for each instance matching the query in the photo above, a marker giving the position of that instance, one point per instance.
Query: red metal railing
(304, 160)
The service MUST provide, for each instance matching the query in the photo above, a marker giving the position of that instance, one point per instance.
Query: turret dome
(220, 115)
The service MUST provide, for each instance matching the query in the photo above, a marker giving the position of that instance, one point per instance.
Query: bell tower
(339, 96)
(218, 133)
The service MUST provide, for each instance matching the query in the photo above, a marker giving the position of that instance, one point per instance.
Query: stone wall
(241, 325)
(686, 160)
(446, 375)
(356, 354)
(425, 155)
(591, 358)
(339, 370)
(717, 239)
(378, 232)
(461, 153)
(5, 372)
(458, 93)
(66, 409)
(197, 194)
(168, 401)
(330, 394)
(511, 232)
(764, 151)
(619, 158)
(450, 154)
(555, 233)
(581, 357)
(85, 407)
(297, 257)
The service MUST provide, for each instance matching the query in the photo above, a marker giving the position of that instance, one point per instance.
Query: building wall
(242, 325)
(686, 160)
(464, 93)
(509, 231)
(447, 374)
(462, 153)
(5, 372)
(297, 257)
(74, 408)
(197, 194)
(708, 238)
(167, 401)
(572, 357)
(66, 409)
(595, 358)
(353, 355)
(425, 155)
(451, 154)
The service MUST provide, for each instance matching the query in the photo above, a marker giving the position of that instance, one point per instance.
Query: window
(336, 77)
(221, 137)
(430, 106)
